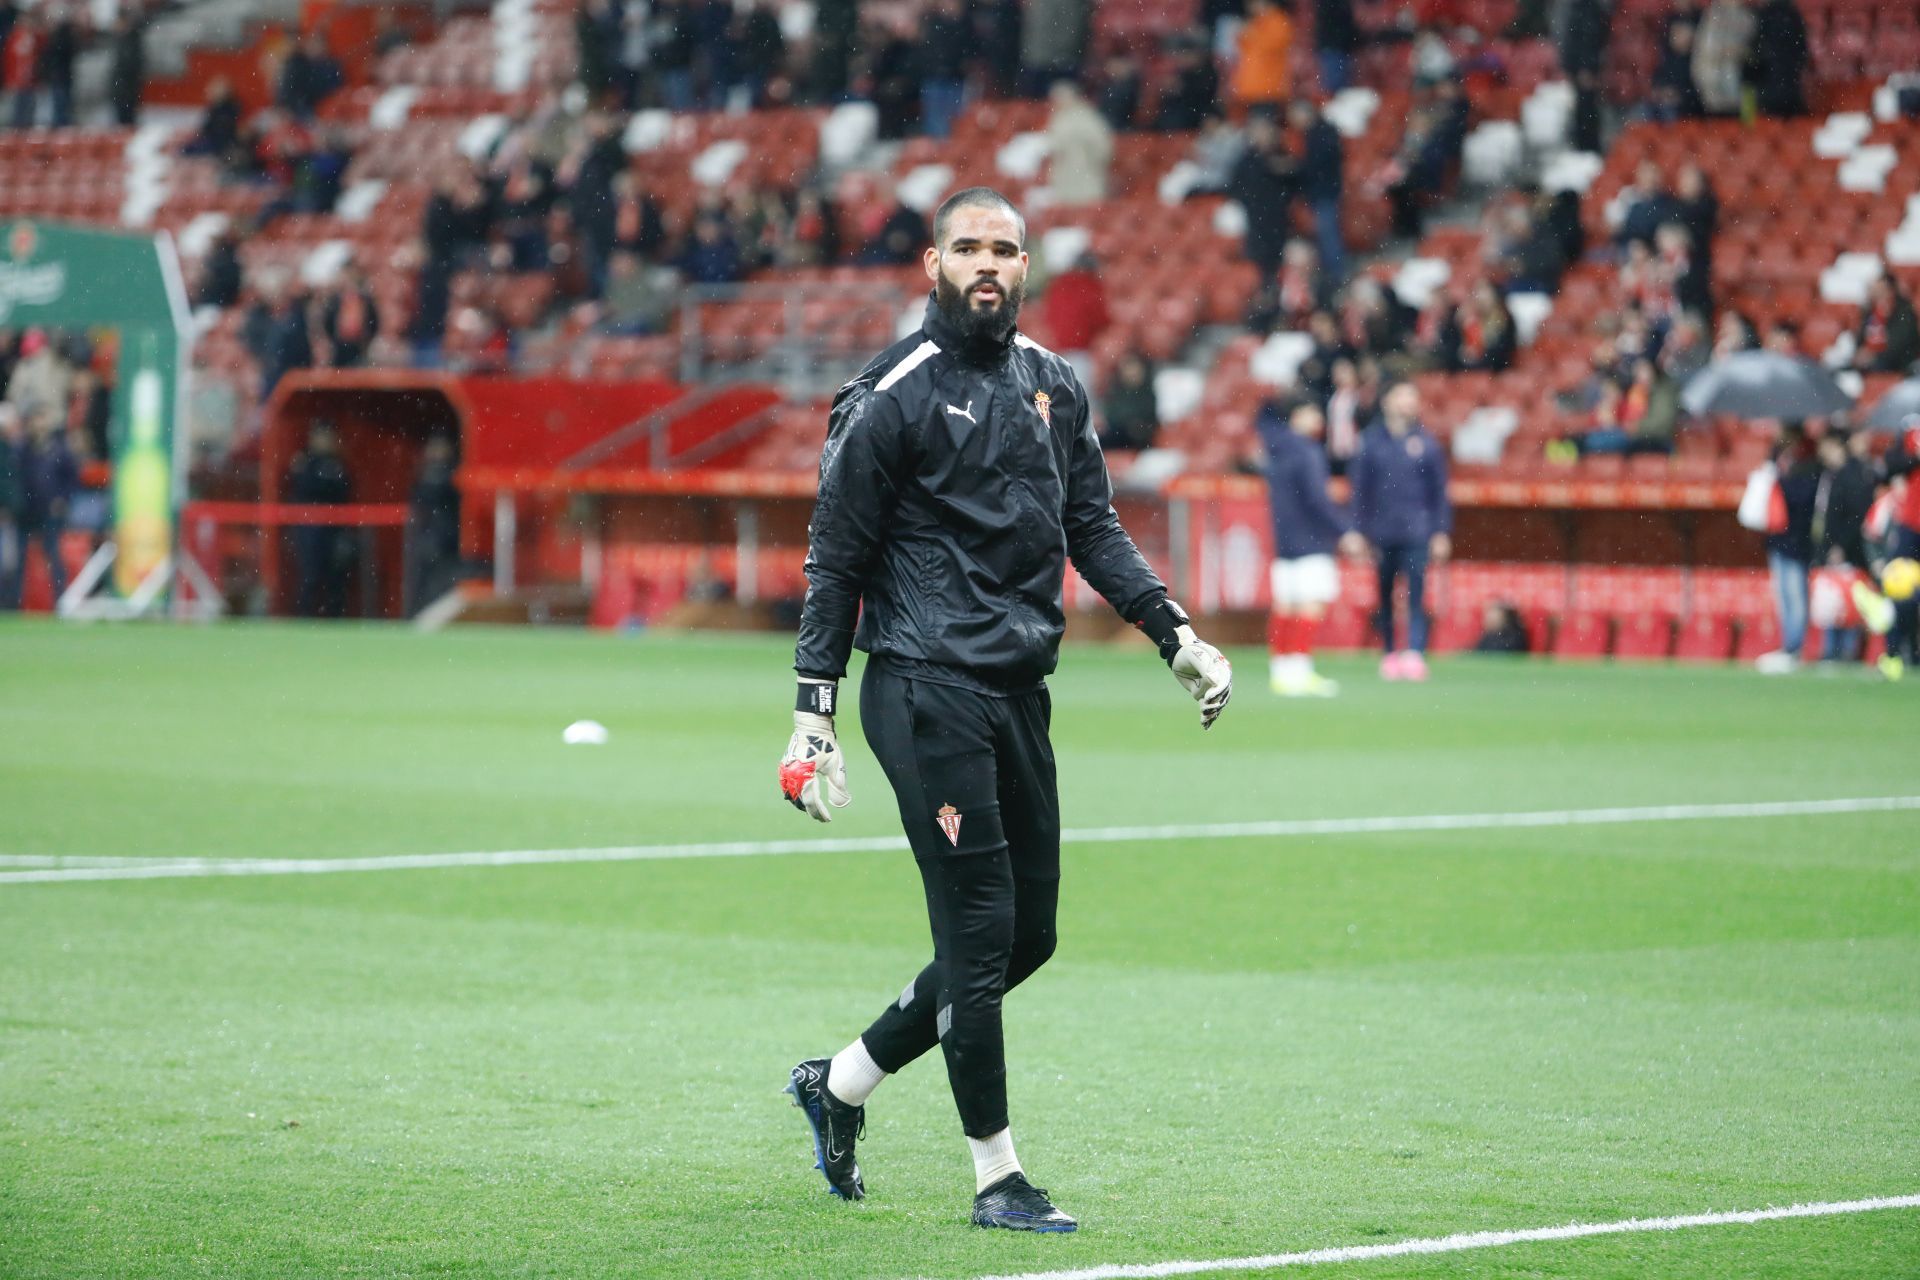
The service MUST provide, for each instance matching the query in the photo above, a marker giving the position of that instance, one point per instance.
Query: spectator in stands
(1501, 630)
(42, 378)
(276, 331)
(1336, 38)
(1330, 347)
(899, 240)
(1080, 144)
(887, 75)
(762, 62)
(1434, 344)
(127, 74)
(814, 238)
(320, 174)
(639, 299)
(633, 63)
(57, 58)
(1790, 552)
(1623, 420)
(716, 41)
(220, 279)
(1720, 48)
(1120, 89)
(712, 256)
(1696, 208)
(1488, 340)
(1641, 206)
(1130, 407)
(432, 300)
(1053, 42)
(587, 175)
(1375, 320)
(1888, 337)
(1531, 248)
(760, 220)
(89, 416)
(1263, 72)
(1583, 52)
(349, 321)
(308, 76)
(1673, 94)
(20, 69)
(388, 34)
(1074, 311)
(946, 40)
(1734, 333)
(1401, 509)
(1349, 409)
(1262, 183)
(219, 131)
(1691, 289)
(1302, 287)
(997, 34)
(12, 464)
(322, 553)
(433, 528)
(1777, 60)
(672, 51)
(458, 221)
(1426, 156)
(1320, 174)
(596, 33)
(520, 226)
(1191, 96)
(1685, 351)
(1430, 60)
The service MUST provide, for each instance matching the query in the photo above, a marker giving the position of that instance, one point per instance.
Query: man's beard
(981, 330)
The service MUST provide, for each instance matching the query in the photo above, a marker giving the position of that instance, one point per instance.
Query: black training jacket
(953, 490)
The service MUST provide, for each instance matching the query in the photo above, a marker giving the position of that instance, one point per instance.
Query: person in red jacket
(20, 69)
(1074, 312)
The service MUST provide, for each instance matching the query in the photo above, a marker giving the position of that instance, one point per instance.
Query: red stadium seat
(1581, 634)
(1759, 634)
(1644, 635)
(1705, 637)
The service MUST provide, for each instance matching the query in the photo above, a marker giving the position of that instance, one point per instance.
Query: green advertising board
(73, 278)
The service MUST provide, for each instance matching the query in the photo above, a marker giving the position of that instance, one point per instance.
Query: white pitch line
(1467, 1240)
(82, 868)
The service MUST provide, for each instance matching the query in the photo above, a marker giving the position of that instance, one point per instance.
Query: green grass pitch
(1245, 1046)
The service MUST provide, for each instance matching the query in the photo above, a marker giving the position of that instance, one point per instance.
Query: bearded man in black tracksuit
(959, 476)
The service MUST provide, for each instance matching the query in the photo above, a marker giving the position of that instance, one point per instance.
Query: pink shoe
(1413, 666)
(1390, 668)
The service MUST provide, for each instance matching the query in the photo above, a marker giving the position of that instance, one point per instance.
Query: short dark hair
(973, 198)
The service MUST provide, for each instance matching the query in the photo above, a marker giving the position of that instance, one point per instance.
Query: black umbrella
(1895, 407)
(1764, 384)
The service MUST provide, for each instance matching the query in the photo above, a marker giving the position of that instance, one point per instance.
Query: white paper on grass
(585, 733)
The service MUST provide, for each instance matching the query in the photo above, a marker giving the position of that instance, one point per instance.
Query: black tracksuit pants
(974, 777)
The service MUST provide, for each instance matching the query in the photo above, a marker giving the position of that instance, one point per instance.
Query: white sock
(853, 1077)
(993, 1159)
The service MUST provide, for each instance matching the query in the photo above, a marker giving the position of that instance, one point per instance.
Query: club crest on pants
(950, 823)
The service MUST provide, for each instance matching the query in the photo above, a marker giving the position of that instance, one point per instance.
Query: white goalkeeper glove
(813, 776)
(1204, 672)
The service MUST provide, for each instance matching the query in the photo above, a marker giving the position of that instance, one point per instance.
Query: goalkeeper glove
(813, 776)
(1202, 670)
